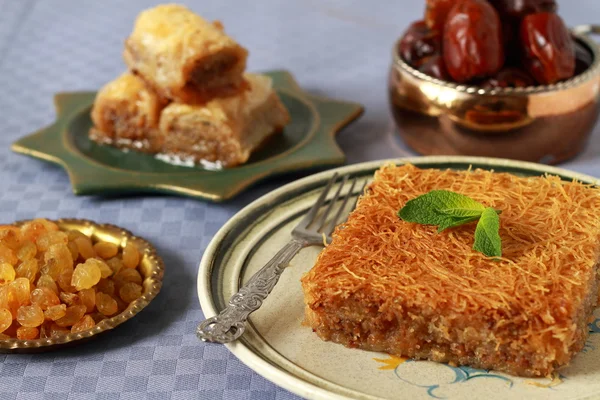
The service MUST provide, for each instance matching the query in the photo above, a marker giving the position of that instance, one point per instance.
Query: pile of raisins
(493, 43)
(54, 282)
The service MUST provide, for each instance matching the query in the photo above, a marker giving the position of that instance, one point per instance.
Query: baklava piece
(184, 57)
(126, 115)
(402, 288)
(223, 132)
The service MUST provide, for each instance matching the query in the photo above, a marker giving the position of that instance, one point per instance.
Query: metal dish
(546, 124)
(151, 268)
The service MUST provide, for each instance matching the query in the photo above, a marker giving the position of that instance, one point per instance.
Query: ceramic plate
(307, 143)
(279, 347)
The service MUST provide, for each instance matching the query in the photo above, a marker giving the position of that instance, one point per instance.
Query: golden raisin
(12, 329)
(44, 297)
(7, 255)
(28, 269)
(88, 299)
(30, 316)
(74, 250)
(115, 264)
(98, 316)
(131, 255)
(3, 296)
(105, 270)
(20, 289)
(45, 329)
(106, 250)
(73, 314)
(51, 238)
(27, 333)
(51, 268)
(84, 245)
(106, 286)
(128, 275)
(83, 324)
(5, 319)
(55, 312)
(56, 330)
(9, 300)
(64, 282)
(121, 305)
(86, 275)
(106, 304)
(10, 237)
(27, 251)
(61, 253)
(48, 282)
(70, 299)
(48, 225)
(130, 292)
(74, 234)
(7, 273)
(34, 229)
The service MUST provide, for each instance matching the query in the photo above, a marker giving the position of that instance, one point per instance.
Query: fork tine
(360, 193)
(338, 216)
(337, 219)
(332, 203)
(312, 213)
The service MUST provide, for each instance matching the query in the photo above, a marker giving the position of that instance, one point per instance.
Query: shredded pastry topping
(549, 230)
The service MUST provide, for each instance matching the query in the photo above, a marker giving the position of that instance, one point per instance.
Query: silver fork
(230, 323)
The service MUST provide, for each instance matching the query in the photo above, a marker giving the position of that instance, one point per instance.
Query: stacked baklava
(186, 94)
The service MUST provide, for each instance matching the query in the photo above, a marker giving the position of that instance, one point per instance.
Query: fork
(230, 323)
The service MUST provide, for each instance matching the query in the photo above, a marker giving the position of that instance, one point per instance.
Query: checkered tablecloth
(338, 48)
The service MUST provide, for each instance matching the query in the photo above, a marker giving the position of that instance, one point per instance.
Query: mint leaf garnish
(487, 238)
(453, 222)
(437, 206)
(448, 209)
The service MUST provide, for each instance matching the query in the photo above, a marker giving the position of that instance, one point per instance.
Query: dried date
(435, 67)
(510, 78)
(549, 52)
(511, 13)
(418, 43)
(521, 8)
(472, 41)
(436, 13)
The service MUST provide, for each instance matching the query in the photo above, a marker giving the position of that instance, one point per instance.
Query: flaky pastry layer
(183, 57)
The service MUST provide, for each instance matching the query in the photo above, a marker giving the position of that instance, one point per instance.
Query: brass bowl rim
(156, 279)
(579, 33)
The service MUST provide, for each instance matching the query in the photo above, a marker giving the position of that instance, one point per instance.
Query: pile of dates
(493, 43)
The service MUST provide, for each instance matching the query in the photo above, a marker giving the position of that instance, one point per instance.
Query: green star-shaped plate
(307, 143)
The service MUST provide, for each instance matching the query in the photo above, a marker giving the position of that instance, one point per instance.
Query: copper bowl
(546, 124)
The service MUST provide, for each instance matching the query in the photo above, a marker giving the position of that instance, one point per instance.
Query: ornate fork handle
(231, 322)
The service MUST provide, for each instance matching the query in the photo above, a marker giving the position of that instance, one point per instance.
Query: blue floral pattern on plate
(445, 375)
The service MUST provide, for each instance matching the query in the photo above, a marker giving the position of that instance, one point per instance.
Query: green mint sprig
(448, 209)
